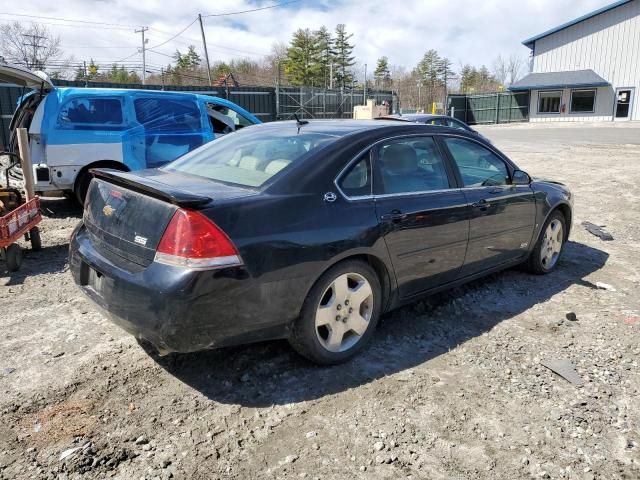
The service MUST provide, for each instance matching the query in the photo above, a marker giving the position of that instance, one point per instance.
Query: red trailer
(18, 218)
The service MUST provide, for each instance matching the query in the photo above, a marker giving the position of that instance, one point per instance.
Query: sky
(465, 31)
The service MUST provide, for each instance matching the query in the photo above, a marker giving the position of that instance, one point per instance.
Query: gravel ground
(452, 387)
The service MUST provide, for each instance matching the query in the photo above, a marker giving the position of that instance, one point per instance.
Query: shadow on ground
(271, 373)
(62, 207)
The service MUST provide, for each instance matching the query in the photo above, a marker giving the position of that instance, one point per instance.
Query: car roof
(342, 128)
(412, 117)
(117, 92)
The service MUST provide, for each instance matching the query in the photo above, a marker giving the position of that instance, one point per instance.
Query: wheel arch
(566, 211)
(379, 266)
(99, 164)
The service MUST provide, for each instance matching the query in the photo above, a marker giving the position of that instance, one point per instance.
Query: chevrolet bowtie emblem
(108, 210)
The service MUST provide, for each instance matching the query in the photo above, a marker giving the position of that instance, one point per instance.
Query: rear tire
(82, 186)
(339, 314)
(550, 245)
(13, 256)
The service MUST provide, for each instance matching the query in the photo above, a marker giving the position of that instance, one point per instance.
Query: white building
(588, 68)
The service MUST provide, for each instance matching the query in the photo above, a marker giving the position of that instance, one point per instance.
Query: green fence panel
(499, 107)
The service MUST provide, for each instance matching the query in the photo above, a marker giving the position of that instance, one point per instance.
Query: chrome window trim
(510, 165)
(443, 136)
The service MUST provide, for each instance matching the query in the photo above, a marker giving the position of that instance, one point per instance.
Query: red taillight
(192, 240)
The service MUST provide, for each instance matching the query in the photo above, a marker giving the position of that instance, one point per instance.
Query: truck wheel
(34, 236)
(13, 255)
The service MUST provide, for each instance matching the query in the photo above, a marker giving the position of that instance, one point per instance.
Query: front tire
(339, 315)
(550, 245)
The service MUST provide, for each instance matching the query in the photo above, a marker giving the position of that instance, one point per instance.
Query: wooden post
(25, 162)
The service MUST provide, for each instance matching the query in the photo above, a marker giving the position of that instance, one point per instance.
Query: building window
(583, 101)
(549, 102)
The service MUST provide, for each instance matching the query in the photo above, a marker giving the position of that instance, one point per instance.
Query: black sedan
(432, 119)
(308, 231)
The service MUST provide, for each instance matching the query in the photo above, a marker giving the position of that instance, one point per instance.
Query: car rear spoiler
(150, 187)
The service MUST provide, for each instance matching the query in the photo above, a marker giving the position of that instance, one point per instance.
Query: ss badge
(140, 240)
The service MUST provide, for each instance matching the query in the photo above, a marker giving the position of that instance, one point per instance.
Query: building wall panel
(608, 43)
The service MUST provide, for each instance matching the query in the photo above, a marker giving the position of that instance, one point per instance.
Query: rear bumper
(177, 309)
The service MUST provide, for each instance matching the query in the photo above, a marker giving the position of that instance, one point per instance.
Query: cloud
(466, 31)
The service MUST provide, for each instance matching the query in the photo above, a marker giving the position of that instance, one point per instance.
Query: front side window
(357, 181)
(411, 165)
(478, 165)
(549, 102)
(455, 124)
(250, 157)
(169, 115)
(583, 101)
(224, 120)
(91, 111)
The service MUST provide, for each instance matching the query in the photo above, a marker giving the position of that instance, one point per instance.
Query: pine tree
(382, 75)
(446, 71)
(301, 63)
(193, 59)
(467, 78)
(344, 59)
(428, 69)
(325, 55)
(80, 74)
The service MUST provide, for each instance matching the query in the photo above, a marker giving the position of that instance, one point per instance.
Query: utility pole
(331, 76)
(206, 53)
(144, 54)
(35, 45)
(86, 76)
(364, 93)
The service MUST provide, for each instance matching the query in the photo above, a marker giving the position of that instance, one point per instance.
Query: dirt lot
(452, 387)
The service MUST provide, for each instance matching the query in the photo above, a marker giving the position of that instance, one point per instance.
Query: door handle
(482, 204)
(393, 216)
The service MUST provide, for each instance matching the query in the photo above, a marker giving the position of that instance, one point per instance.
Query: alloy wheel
(551, 244)
(344, 312)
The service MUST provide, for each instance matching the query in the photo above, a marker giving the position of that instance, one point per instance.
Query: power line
(96, 46)
(76, 26)
(68, 20)
(252, 10)
(176, 35)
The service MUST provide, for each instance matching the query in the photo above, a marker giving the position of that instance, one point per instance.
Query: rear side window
(168, 115)
(357, 181)
(411, 165)
(91, 111)
(455, 124)
(478, 165)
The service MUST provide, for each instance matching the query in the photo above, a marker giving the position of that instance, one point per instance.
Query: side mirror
(520, 178)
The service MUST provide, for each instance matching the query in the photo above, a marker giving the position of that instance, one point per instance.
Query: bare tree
(500, 69)
(33, 46)
(514, 67)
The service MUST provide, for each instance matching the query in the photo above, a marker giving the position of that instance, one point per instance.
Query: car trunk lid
(126, 214)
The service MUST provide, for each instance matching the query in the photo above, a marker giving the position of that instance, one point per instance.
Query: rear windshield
(250, 157)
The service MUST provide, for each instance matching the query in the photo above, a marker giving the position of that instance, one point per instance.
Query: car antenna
(299, 122)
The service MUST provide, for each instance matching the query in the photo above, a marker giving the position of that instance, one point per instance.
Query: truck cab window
(224, 120)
